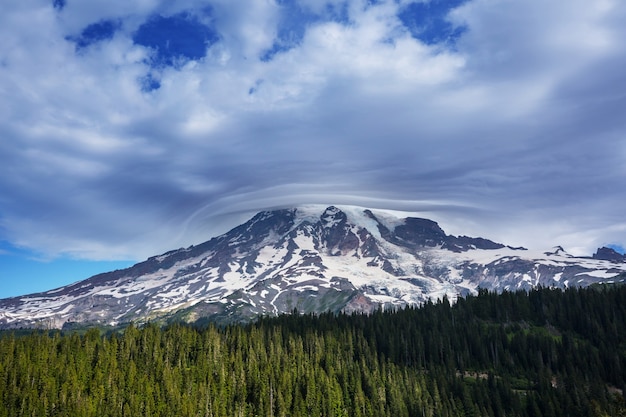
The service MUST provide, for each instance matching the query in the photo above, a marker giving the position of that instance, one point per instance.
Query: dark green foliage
(543, 353)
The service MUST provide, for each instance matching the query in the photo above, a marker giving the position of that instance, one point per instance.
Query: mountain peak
(557, 250)
(314, 258)
(609, 254)
(333, 216)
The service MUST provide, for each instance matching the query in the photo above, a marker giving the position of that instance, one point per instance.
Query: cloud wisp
(130, 128)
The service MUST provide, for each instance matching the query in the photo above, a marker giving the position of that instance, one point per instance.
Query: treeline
(543, 353)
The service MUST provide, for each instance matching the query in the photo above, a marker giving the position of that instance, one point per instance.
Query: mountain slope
(311, 258)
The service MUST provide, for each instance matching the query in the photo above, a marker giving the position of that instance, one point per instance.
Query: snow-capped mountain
(312, 258)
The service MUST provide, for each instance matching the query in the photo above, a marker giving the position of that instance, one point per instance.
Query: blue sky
(132, 128)
(23, 272)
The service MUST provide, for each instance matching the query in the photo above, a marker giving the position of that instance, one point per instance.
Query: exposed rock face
(609, 254)
(311, 258)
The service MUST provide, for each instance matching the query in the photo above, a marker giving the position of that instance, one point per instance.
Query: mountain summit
(311, 258)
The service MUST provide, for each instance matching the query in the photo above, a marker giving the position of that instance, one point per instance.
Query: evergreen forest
(540, 353)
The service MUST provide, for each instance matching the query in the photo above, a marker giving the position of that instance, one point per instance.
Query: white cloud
(247, 28)
(517, 129)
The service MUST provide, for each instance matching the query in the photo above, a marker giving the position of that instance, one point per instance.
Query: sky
(130, 128)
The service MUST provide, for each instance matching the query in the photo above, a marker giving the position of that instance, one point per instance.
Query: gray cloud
(516, 133)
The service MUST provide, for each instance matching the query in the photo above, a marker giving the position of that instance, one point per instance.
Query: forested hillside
(543, 353)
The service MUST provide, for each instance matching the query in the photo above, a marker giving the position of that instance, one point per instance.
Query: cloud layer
(122, 138)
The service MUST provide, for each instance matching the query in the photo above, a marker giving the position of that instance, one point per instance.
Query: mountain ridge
(313, 258)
